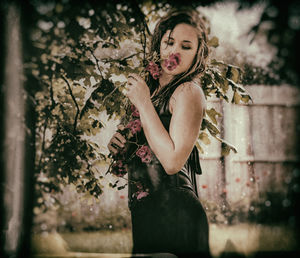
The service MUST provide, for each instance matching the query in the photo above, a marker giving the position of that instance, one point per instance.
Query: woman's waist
(156, 176)
(165, 194)
(179, 180)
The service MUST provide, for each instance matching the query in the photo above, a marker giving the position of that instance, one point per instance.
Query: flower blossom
(173, 61)
(144, 153)
(118, 168)
(141, 193)
(134, 126)
(154, 70)
(135, 112)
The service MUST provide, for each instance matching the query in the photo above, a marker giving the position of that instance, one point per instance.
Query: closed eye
(186, 47)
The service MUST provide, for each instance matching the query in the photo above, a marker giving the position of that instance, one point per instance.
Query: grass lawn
(242, 238)
(250, 238)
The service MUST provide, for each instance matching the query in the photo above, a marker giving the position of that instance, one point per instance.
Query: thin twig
(97, 60)
(105, 60)
(52, 94)
(48, 111)
(43, 141)
(73, 98)
(108, 95)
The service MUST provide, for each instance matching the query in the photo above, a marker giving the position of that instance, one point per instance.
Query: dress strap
(194, 161)
(194, 167)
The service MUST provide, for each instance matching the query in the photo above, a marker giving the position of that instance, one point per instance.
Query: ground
(245, 239)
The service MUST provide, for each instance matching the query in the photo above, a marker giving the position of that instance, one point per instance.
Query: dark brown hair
(169, 22)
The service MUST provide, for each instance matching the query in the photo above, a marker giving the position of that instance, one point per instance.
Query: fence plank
(266, 135)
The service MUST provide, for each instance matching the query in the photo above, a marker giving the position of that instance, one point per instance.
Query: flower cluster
(136, 144)
(140, 193)
(154, 70)
(135, 147)
(172, 61)
(134, 126)
(144, 153)
(134, 111)
(118, 168)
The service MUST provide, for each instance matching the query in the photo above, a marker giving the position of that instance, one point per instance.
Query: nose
(174, 49)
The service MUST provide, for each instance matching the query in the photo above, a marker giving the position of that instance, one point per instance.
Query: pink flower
(172, 62)
(154, 70)
(134, 126)
(141, 192)
(135, 112)
(141, 195)
(139, 186)
(147, 158)
(118, 168)
(144, 153)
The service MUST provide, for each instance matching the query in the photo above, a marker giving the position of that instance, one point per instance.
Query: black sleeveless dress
(169, 218)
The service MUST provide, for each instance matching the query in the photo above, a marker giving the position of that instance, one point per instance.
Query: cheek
(188, 59)
(163, 52)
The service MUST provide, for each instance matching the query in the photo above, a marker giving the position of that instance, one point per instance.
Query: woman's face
(183, 41)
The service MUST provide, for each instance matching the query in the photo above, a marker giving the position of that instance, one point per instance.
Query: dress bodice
(152, 175)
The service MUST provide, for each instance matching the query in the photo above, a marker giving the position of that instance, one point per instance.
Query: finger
(129, 84)
(121, 127)
(120, 137)
(116, 143)
(112, 149)
(131, 81)
(135, 77)
(132, 76)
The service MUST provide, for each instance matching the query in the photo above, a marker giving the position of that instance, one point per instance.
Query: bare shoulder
(190, 93)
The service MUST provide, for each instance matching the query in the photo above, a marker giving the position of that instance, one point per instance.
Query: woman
(168, 217)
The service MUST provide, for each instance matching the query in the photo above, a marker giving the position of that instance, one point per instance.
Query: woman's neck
(164, 79)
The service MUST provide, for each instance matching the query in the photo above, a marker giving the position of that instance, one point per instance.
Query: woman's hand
(117, 141)
(137, 90)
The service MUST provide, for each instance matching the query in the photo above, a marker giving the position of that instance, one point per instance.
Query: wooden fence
(266, 135)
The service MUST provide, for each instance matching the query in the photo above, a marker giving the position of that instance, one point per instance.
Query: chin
(174, 72)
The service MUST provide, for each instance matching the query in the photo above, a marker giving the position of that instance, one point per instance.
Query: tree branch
(75, 102)
(105, 60)
(48, 112)
(51, 94)
(98, 65)
(103, 101)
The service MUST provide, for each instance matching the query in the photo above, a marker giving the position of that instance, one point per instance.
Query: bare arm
(174, 147)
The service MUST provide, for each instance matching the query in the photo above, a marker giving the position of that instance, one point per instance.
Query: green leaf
(199, 147)
(204, 138)
(212, 113)
(121, 187)
(213, 130)
(225, 150)
(213, 42)
(234, 73)
(246, 98)
(236, 98)
(226, 147)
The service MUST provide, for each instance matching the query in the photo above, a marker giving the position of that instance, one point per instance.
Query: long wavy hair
(197, 68)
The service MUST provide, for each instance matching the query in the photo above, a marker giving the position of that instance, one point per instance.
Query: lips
(172, 61)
